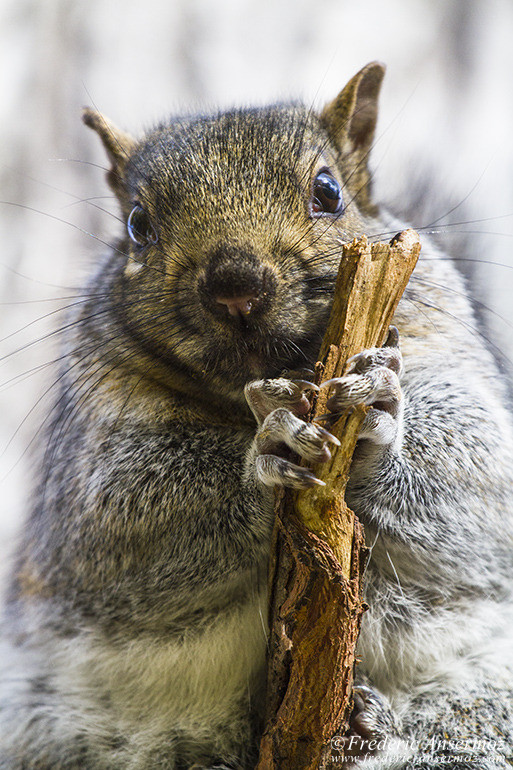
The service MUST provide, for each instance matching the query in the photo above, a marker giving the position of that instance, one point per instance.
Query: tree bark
(318, 553)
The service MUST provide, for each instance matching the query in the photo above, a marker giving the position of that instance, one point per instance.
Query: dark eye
(326, 195)
(140, 228)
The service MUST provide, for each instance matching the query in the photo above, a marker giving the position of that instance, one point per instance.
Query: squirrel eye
(326, 195)
(140, 228)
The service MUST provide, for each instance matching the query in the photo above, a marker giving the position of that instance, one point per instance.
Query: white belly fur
(192, 684)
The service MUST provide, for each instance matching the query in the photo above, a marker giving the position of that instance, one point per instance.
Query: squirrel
(133, 632)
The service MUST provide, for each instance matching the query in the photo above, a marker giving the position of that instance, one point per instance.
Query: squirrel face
(234, 227)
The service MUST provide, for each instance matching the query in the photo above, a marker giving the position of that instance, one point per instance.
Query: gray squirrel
(134, 631)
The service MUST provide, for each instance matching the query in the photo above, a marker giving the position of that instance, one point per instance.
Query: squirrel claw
(276, 471)
(306, 385)
(392, 341)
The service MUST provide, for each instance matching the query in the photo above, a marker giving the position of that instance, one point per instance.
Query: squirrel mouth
(246, 313)
(238, 309)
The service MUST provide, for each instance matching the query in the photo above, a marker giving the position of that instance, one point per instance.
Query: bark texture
(318, 553)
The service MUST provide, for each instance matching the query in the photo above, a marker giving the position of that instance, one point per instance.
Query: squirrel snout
(236, 285)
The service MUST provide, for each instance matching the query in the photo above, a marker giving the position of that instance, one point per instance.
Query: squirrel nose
(238, 306)
(237, 287)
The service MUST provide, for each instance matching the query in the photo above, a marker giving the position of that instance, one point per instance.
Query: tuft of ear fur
(118, 145)
(350, 121)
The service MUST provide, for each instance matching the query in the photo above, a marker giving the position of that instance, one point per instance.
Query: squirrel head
(349, 121)
(234, 225)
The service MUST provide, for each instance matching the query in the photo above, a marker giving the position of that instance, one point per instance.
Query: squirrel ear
(350, 120)
(117, 143)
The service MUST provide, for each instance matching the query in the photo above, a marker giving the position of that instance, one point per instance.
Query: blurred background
(443, 155)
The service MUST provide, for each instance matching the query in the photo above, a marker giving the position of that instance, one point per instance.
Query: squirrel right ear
(350, 120)
(118, 144)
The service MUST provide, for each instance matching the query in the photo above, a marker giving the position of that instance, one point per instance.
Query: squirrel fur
(134, 632)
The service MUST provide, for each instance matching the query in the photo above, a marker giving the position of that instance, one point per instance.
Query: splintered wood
(318, 553)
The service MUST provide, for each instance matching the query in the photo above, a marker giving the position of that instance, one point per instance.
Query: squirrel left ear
(350, 120)
(118, 144)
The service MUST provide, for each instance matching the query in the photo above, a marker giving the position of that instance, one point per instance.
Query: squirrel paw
(280, 434)
(264, 396)
(372, 379)
(372, 729)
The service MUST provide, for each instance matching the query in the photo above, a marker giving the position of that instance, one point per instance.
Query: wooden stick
(318, 553)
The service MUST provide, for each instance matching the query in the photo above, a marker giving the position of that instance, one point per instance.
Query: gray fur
(134, 631)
